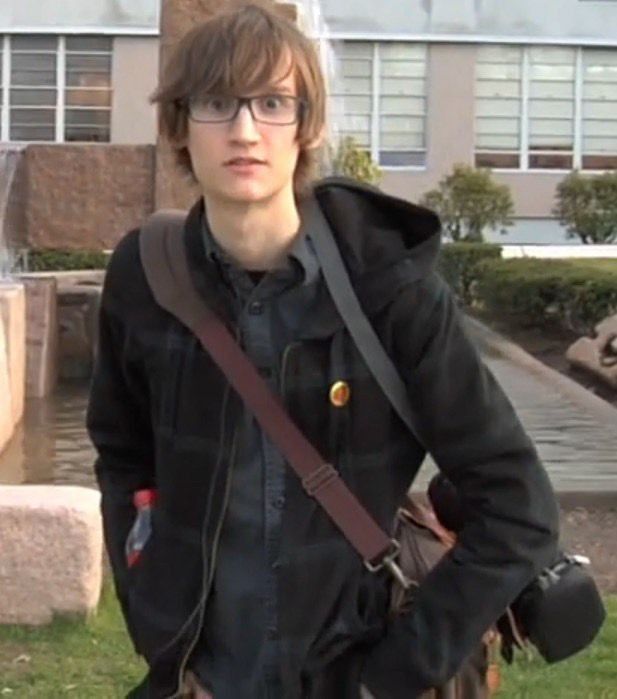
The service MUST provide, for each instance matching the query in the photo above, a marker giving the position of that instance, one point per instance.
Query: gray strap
(346, 301)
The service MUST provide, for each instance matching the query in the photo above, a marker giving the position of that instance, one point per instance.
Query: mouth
(243, 162)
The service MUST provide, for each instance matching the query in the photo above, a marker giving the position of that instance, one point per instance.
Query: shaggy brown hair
(238, 51)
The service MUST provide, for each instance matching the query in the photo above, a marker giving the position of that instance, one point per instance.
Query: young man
(245, 586)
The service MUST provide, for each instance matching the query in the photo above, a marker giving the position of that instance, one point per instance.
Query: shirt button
(256, 308)
(272, 632)
(279, 503)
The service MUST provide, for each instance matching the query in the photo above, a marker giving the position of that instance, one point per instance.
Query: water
(51, 444)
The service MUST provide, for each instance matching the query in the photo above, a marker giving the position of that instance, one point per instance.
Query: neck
(256, 235)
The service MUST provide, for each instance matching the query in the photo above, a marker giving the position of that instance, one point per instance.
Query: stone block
(598, 355)
(51, 552)
(13, 317)
(41, 335)
(78, 309)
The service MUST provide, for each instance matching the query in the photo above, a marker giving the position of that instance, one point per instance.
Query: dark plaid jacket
(162, 414)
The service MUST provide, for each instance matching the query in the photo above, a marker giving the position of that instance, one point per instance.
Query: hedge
(459, 265)
(571, 294)
(65, 260)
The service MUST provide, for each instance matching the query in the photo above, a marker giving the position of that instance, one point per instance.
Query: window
(58, 88)
(546, 107)
(379, 98)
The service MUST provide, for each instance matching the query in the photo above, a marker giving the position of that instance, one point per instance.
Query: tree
(468, 201)
(350, 160)
(587, 206)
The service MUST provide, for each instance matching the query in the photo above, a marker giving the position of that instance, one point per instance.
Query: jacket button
(340, 393)
(256, 308)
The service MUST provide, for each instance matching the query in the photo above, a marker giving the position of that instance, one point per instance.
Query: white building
(527, 88)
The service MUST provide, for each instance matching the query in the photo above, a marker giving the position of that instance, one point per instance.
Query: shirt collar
(302, 253)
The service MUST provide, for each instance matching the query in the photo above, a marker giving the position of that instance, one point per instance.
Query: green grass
(95, 659)
(70, 658)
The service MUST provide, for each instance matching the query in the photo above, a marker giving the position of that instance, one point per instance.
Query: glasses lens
(213, 108)
(275, 109)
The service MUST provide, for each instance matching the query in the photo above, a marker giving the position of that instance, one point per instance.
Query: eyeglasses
(279, 110)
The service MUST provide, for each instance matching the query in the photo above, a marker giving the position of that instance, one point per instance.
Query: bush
(65, 260)
(571, 294)
(468, 201)
(459, 262)
(350, 160)
(587, 206)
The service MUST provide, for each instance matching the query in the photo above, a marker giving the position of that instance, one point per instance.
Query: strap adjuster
(320, 478)
(389, 562)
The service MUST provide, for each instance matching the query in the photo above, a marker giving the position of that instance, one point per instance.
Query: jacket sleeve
(469, 426)
(118, 422)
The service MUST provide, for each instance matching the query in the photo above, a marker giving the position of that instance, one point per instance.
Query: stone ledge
(51, 552)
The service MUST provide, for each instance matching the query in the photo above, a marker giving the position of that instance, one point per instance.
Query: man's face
(243, 160)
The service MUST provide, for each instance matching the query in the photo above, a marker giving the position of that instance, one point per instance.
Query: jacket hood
(385, 241)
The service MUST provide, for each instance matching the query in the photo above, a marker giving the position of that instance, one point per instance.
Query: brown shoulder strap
(164, 260)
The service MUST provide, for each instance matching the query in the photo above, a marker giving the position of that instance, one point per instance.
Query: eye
(273, 103)
(217, 103)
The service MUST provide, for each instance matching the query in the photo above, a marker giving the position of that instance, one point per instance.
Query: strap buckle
(389, 562)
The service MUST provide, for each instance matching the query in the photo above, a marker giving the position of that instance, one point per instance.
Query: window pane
(551, 108)
(354, 49)
(87, 117)
(599, 110)
(498, 126)
(402, 158)
(402, 105)
(496, 89)
(25, 42)
(597, 145)
(43, 79)
(498, 71)
(91, 133)
(88, 98)
(356, 105)
(600, 91)
(402, 69)
(88, 43)
(497, 142)
(355, 123)
(401, 141)
(361, 138)
(82, 62)
(38, 117)
(550, 162)
(402, 50)
(401, 124)
(26, 98)
(402, 86)
(499, 54)
(600, 162)
(597, 127)
(497, 160)
(498, 108)
(554, 55)
(553, 90)
(31, 133)
(355, 69)
(355, 86)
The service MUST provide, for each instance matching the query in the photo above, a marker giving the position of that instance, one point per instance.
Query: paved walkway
(575, 434)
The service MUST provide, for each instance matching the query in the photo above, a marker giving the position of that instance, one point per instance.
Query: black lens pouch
(561, 611)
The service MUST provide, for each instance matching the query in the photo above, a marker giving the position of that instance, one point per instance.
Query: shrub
(587, 206)
(571, 294)
(468, 202)
(65, 260)
(459, 262)
(352, 161)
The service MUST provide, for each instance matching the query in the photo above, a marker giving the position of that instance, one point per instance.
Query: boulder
(51, 552)
(598, 355)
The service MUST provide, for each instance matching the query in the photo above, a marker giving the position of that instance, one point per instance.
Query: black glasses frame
(301, 107)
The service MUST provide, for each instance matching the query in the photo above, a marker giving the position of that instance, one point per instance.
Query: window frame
(524, 154)
(374, 132)
(60, 107)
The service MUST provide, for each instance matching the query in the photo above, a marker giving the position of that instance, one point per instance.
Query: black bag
(561, 611)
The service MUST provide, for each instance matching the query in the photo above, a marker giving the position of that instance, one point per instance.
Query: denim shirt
(238, 653)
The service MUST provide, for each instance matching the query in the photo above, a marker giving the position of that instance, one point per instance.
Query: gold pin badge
(339, 393)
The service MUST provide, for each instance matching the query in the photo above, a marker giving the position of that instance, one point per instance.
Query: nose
(243, 127)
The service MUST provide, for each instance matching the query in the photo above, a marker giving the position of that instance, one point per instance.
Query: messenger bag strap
(165, 264)
(347, 304)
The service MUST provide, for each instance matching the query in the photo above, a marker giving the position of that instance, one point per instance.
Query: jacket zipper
(213, 553)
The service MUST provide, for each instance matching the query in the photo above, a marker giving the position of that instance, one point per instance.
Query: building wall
(135, 69)
(450, 137)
